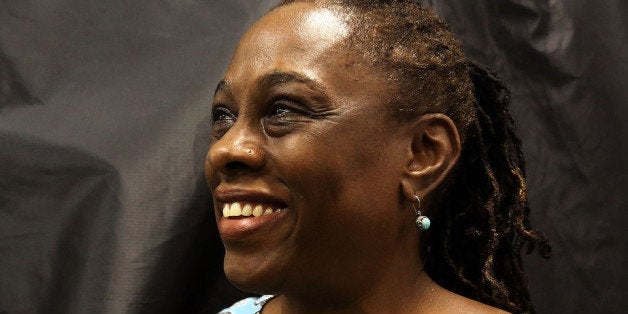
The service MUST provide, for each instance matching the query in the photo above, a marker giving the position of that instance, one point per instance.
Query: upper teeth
(246, 209)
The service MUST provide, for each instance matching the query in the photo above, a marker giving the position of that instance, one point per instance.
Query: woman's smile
(246, 213)
(247, 210)
(240, 221)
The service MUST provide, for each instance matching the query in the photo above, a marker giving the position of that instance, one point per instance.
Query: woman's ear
(434, 149)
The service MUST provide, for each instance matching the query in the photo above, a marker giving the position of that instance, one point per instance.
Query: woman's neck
(423, 296)
(399, 295)
(385, 283)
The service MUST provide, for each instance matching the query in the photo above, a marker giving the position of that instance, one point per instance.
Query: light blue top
(248, 306)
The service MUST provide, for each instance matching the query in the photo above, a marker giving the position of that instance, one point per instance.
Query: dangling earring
(422, 222)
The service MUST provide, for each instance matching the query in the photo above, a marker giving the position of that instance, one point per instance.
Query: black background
(104, 127)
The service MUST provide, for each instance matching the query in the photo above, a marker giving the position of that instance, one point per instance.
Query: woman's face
(301, 129)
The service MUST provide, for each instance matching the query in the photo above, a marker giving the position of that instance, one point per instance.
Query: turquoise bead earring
(422, 222)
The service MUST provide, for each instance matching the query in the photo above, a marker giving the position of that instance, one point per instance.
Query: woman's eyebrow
(274, 79)
(223, 86)
(278, 78)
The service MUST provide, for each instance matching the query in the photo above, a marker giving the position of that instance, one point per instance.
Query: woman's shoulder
(445, 301)
(248, 306)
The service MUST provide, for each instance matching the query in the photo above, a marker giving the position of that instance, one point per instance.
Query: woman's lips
(240, 220)
(243, 213)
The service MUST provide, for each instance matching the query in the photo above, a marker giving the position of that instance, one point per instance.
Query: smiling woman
(341, 128)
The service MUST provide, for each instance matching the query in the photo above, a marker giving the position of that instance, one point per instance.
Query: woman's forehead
(296, 38)
(299, 25)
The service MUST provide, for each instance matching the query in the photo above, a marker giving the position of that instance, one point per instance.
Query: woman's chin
(251, 277)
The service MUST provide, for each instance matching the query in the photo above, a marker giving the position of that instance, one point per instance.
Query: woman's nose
(237, 150)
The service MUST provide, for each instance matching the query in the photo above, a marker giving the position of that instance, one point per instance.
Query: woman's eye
(222, 120)
(285, 116)
(284, 108)
(279, 110)
(221, 114)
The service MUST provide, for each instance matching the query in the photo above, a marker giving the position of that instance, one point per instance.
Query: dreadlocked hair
(483, 212)
(480, 212)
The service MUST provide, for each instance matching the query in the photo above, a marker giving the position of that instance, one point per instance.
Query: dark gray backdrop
(104, 128)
